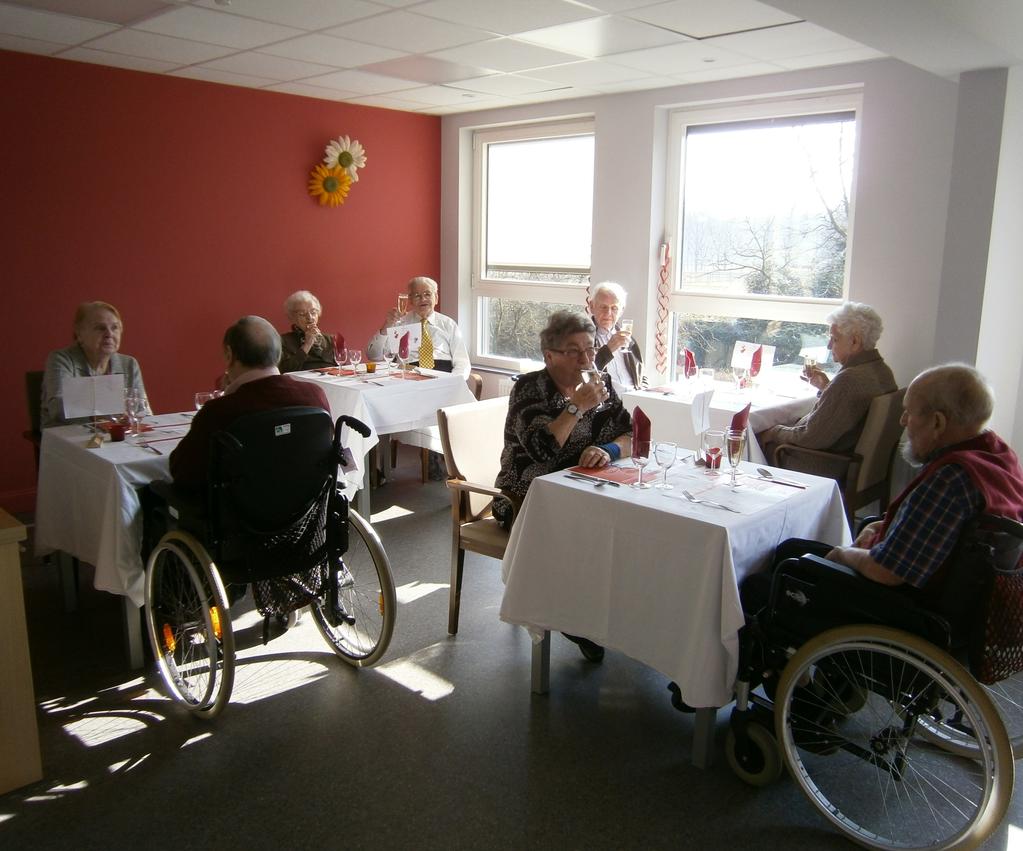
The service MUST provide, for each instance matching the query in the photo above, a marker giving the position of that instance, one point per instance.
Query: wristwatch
(574, 411)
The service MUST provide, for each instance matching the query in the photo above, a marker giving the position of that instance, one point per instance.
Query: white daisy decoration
(347, 154)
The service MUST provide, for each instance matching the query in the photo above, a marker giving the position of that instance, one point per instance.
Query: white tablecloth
(670, 417)
(87, 501)
(654, 576)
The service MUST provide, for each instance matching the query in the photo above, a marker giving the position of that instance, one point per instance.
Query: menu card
(92, 395)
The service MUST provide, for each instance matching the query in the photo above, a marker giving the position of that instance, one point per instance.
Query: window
(533, 220)
(760, 209)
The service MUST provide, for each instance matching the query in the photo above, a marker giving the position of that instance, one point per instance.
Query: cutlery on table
(768, 476)
(707, 502)
(593, 480)
(150, 447)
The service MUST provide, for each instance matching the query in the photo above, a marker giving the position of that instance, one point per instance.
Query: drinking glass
(402, 303)
(735, 441)
(355, 358)
(136, 408)
(713, 445)
(592, 375)
(640, 457)
(201, 399)
(340, 352)
(664, 454)
(627, 326)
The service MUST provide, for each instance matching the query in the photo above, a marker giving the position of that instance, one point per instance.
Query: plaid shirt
(927, 526)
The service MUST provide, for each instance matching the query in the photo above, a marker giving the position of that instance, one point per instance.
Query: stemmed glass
(202, 398)
(735, 441)
(340, 352)
(664, 453)
(402, 303)
(592, 375)
(713, 445)
(355, 358)
(640, 457)
(136, 407)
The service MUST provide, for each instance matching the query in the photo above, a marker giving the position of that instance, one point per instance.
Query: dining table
(669, 408)
(654, 575)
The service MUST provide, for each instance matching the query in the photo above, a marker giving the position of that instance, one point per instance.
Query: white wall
(905, 165)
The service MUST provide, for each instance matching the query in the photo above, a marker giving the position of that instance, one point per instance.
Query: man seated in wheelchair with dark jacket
(966, 471)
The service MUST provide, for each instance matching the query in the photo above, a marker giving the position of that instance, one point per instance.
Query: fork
(697, 501)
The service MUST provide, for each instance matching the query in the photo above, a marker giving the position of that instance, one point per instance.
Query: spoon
(771, 477)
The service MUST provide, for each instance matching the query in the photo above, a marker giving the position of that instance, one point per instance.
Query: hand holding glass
(735, 441)
(664, 454)
(201, 399)
(640, 457)
(592, 375)
(627, 326)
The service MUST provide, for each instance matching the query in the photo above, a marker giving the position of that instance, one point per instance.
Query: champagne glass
(713, 445)
(592, 375)
(664, 454)
(735, 441)
(201, 399)
(402, 303)
(640, 457)
(626, 326)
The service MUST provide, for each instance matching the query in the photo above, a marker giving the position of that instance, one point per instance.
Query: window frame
(483, 287)
(753, 306)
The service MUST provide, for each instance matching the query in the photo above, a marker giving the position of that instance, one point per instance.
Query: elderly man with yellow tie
(435, 344)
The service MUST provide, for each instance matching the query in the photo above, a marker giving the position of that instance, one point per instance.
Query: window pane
(766, 206)
(712, 338)
(511, 328)
(539, 208)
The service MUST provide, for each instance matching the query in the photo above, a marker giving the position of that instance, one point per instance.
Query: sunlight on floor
(413, 591)
(391, 513)
(195, 739)
(1014, 839)
(410, 673)
(93, 730)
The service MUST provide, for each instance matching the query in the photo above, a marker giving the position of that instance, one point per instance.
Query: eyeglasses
(427, 294)
(307, 314)
(574, 353)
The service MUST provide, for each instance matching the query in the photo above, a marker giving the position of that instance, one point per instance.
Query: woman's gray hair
(562, 324)
(610, 287)
(958, 391)
(853, 317)
(298, 297)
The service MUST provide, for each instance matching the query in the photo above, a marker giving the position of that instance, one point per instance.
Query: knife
(778, 481)
(593, 479)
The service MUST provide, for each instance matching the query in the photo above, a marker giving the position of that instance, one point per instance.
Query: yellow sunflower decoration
(330, 185)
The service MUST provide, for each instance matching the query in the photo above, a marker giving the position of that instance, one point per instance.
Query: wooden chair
(865, 473)
(473, 437)
(428, 438)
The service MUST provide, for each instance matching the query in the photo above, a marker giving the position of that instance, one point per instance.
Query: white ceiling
(441, 56)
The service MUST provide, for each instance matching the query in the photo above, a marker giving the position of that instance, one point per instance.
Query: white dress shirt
(447, 341)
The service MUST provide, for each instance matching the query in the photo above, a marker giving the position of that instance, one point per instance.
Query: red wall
(184, 204)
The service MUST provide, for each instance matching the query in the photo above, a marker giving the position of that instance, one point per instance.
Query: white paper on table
(92, 395)
(742, 355)
(396, 332)
(699, 409)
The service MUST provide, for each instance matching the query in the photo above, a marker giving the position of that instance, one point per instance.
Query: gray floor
(442, 746)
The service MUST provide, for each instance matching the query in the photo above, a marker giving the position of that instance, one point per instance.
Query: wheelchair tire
(866, 763)
(189, 625)
(755, 757)
(360, 633)
(948, 730)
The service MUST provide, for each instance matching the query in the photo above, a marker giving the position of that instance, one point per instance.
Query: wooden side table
(19, 732)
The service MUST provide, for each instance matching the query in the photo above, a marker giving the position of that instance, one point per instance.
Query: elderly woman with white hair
(305, 346)
(836, 420)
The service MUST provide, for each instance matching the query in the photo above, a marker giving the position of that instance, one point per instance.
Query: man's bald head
(253, 342)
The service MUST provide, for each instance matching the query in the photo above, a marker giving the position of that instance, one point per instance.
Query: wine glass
(735, 441)
(640, 457)
(592, 375)
(713, 445)
(136, 407)
(664, 453)
(626, 326)
(355, 358)
(340, 352)
(402, 303)
(201, 399)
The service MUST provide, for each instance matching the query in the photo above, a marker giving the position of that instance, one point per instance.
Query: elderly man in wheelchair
(258, 500)
(855, 663)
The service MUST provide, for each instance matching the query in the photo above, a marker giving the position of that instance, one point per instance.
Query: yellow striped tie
(426, 347)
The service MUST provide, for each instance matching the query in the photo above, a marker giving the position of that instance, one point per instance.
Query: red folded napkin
(741, 418)
(403, 346)
(339, 342)
(106, 425)
(334, 370)
(690, 367)
(755, 361)
(640, 429)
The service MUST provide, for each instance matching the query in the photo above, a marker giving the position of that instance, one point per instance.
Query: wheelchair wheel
(848, 715)
(948, 729)
(754, 758)
(189, 624)
(360, 630)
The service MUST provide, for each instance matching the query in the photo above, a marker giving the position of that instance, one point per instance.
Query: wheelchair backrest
(269, 467)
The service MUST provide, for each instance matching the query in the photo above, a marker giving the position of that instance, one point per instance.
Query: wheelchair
(274, 518)
(869, 700)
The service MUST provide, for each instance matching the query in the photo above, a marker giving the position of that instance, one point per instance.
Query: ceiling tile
(439, 95)
(588, 73)
(501, 16)
(596, 37)
(111, 11)
(637, 85)
(508, 84)
(29, 45)
(505, 54)
(361, 82)
(212, 75)
(216, 28)
(387, 102)
(800, 39)
(679, 58)
(834, 57)
(133, 63)
(42, 26)
(711, 73)
(699, 19)
(408, 32)
(327, 50)
(263, 65)
(159, 47)
(304, 89)
(567, 93)
(616, 6)
(304, 14)
(425, 69)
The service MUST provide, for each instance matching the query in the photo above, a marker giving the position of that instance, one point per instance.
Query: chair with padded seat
(864, 474)
(472, 436)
